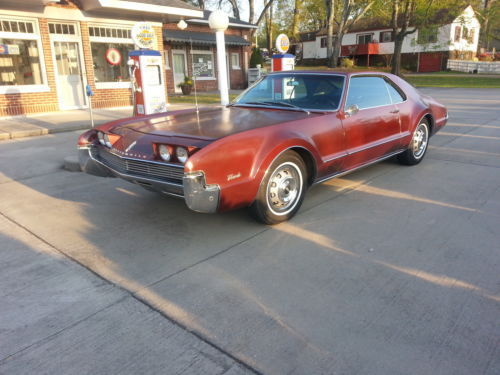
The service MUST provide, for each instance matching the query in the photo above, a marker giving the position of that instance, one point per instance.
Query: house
(50, 50)
(184, 49)
(371, 42)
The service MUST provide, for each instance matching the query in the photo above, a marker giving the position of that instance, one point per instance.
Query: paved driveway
(390, 270)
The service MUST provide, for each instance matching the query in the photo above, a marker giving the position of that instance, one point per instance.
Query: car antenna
(194, 80)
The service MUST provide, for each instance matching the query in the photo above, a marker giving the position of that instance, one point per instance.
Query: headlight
(164, 152)
(106, 141)
(182, 154)
(100, 136)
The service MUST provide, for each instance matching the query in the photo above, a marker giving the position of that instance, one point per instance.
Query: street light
(219, 22)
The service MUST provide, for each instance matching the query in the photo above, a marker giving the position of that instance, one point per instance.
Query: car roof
(332, 72)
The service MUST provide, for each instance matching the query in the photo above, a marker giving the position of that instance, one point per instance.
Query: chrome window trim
(373, 75)
(292, 72)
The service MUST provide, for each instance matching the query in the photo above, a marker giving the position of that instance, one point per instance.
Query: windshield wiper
(288, 105)
(279, 104)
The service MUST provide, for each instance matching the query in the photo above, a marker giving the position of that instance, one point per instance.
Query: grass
(464, 81)
(203, 98)
(437, 79)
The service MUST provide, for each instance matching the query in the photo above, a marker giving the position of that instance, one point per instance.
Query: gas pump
(283, 61)
(148, 86)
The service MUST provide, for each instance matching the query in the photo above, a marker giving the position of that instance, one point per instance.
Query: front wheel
(282, 190)
(418, 145)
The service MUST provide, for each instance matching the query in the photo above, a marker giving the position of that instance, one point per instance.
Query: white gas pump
(148, 84)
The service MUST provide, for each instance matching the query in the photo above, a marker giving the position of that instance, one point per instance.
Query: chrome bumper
(198, 196)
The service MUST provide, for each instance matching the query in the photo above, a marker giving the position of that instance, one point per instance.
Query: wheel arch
(309, 161)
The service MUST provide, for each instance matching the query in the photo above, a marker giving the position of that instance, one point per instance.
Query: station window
(20, 55)
(203, 62)
(235, 61)
(102, 39)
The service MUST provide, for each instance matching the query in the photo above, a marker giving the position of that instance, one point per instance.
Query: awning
(161, 10)
(198, 38)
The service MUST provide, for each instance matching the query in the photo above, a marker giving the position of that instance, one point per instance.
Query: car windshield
(321, 92)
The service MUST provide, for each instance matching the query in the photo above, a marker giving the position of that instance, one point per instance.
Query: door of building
(179, 68)
(69, 75)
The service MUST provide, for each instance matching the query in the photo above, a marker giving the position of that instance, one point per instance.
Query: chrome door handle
(395, 111)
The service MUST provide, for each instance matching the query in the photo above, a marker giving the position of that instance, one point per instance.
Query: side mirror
(351, 110)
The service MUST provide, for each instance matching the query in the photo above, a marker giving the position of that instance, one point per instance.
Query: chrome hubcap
(420, 139)
(284, 188)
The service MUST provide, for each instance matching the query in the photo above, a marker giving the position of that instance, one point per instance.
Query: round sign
(282, 43)
(113, 56)
(143, 35)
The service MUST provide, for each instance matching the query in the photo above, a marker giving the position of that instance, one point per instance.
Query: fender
(252, 153)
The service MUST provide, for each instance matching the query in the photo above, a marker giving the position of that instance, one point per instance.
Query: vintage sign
(9, 49)
(113, 56)
(282, 43)
(144, 35)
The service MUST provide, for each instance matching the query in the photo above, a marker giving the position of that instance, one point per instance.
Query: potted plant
(186, 86)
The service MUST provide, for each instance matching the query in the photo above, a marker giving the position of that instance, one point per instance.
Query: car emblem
(130, 146)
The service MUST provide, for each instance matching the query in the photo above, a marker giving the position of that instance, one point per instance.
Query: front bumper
(192, 187)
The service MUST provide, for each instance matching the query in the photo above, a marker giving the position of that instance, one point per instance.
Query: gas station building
(51, 49)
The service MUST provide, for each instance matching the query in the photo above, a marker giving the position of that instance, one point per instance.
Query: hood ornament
(130, 146)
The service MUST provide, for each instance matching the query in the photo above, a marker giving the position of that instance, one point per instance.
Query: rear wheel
(282, 190)
(418, 145)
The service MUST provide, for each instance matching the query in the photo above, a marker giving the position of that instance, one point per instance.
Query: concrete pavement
(390, 270)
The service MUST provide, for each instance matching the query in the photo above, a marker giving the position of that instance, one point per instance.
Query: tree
(296, 18)
(251, 10)
(262, 14)
(236, 9)
(342, 15)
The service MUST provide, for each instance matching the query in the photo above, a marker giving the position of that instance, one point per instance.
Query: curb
(41, 131)
(72, 164)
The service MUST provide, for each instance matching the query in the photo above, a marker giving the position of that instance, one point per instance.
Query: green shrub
(256, 58)
(346, 63)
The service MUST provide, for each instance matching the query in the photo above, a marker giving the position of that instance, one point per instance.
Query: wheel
(282, 190)
(418, 145)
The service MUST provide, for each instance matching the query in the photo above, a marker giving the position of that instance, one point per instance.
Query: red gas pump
(148, 86)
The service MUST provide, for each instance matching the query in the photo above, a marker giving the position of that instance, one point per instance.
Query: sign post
(90, 94)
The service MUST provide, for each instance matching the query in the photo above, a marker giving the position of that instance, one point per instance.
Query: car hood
(211, 123)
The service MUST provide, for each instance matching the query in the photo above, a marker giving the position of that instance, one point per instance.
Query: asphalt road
(389, 270)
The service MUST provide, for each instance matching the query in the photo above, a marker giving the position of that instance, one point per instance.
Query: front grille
(141, 168)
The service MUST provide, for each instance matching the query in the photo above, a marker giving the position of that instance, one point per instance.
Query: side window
(367, 92)
(396, 95)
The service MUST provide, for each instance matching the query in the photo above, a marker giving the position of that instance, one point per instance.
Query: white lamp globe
(182, 24)
(218, 20)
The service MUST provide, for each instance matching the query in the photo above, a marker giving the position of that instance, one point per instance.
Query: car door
(370, 120)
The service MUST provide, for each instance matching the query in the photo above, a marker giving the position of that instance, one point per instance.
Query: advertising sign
(113, 56)
(144, 35)
(282, 43)
(9, 49)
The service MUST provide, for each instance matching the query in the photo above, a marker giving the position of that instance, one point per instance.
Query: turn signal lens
(164, 152)
(100, 136)
(106, 141)
(182, 154)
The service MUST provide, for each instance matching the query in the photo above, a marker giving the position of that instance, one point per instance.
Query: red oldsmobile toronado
(288, 131)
